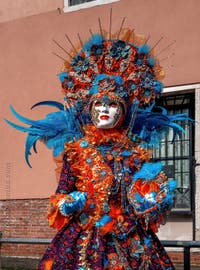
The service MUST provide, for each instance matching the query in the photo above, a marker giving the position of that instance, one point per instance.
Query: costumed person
(110, 198)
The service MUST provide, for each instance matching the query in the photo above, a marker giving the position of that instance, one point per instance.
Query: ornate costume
(110, 198)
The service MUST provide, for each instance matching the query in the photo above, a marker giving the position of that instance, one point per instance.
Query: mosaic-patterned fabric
(127, 242)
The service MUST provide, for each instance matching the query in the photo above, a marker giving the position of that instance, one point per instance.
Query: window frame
(68, 8)
(181, 89)
(174, 155)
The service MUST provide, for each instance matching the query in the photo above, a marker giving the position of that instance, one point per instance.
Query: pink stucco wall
(29, 71)
(16, 9)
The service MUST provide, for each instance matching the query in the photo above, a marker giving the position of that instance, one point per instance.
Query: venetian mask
(106, 113)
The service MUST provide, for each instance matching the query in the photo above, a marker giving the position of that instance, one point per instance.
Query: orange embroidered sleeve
(65, 186)
(56, 219)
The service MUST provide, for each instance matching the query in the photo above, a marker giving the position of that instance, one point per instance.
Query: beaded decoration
(116, 66)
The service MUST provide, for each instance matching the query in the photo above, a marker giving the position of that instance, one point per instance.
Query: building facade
(29, 74)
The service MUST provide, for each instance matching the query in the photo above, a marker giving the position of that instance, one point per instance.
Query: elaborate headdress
(115, 66)
(121, 66)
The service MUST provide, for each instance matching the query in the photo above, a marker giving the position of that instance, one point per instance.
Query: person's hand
(73, 202)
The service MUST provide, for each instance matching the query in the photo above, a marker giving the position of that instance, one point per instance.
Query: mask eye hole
(98, 104)
(113, 105)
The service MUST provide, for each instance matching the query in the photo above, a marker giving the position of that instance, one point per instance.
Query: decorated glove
(150, 191)
(73, 202)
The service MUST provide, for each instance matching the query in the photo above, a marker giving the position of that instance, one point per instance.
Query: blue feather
(151, 126)
(172, 185)
(28, 121)
(158, 86)
(18, 127)
(148, 171)
(144, 49)
(56, 129)
(30, 142)
(49, 103)
(177, 127)
(95, 40)
(34, 147)
(62, 76)
(151, 61)
(163, 110)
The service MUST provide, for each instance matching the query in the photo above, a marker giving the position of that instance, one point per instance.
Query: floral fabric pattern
(126, 240)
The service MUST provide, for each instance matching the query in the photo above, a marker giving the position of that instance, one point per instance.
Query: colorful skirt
(76, 249)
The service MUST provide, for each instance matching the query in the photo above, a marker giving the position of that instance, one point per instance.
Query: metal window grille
(73, 5)
(78, 2)
(178, 157)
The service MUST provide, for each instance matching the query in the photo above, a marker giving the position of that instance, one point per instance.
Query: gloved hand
(73, 202)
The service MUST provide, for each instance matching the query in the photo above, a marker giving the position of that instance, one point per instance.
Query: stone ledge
(18, 263)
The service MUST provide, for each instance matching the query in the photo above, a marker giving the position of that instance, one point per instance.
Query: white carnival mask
(106, 113)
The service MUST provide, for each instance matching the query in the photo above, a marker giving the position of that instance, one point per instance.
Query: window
(72, 5)
(77, 2)
(178, 158)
